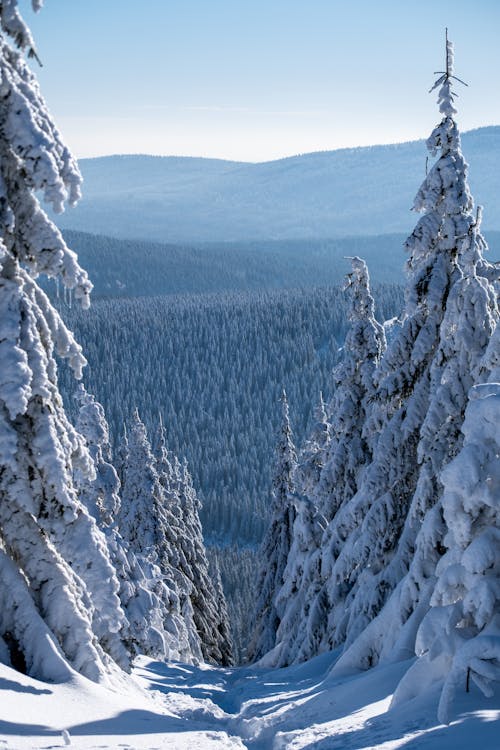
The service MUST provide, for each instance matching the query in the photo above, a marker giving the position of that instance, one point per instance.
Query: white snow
(178, 706)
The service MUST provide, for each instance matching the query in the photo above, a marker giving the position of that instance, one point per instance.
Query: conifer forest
(249, 476)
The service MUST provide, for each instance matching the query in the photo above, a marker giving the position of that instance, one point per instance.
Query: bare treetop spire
(446, 95)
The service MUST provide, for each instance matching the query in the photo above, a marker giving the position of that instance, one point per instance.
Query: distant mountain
(358, 191)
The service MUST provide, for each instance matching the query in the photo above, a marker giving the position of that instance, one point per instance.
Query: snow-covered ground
(177, 706)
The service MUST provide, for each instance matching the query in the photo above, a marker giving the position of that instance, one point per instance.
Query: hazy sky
(259, 79)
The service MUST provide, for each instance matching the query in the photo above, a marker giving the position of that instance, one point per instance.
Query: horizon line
(269, 161)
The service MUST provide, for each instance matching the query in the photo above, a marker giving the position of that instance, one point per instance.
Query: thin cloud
(216, 108)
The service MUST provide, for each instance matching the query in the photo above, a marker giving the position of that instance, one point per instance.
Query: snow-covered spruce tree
(47, 617)
(349, 449)
(460, 313)
(143, 522)
(101, 495)
(189, 558)
(277, 542)
(458, 641)
(295, 641)
(342, 460)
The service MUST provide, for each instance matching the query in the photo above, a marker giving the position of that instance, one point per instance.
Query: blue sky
(256, 80)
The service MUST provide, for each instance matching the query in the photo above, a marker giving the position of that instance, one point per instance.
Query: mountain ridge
(368, 190)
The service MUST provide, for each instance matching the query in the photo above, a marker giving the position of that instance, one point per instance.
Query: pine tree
(47, 616)
(350, 447)
(189, 558)
(300, 616)
(277, 542)
(306, 593)
(462, 309)
(143, 523)
(101, 496)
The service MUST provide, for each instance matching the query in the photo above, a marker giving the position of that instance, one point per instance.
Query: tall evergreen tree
(277, 542)
(461, 311)
(47, 538)
(306, 594)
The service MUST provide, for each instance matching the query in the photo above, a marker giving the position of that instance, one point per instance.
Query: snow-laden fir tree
(143, 524)
(184, 534)
(277, 542)
(458, 641)
(101, 495)
(306, 594)
(47, 538)
(296, 640)
(350, 449)
(453, 311)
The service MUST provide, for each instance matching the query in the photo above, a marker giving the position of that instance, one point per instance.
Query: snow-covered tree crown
(357, 282)
(33, 159)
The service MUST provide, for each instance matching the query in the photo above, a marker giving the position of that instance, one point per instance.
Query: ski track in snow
(181, 707)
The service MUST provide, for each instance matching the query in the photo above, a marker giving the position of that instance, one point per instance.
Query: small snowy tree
(296, 601)
(189, 558)
(47, 615)
(143, 523)
(277, 542)
(101, 495)
(222, 623)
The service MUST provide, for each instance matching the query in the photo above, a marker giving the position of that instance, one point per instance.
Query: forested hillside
(131, 268)
(214, 366)
(326, 194)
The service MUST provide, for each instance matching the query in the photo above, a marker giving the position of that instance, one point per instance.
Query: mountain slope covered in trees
(182, 357)
(340, 193)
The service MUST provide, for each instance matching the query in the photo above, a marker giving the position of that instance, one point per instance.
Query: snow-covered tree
(189, 558)
(458, 641)
(298, 602)
(341, 458)
(100, 494)
(350, 448)
(223, 623)
(142, 633)
(453, 310)
(143, 523)
(277, 542)
(47, 538)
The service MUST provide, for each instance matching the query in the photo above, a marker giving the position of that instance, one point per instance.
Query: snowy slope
(325, 194)
(178, 707)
